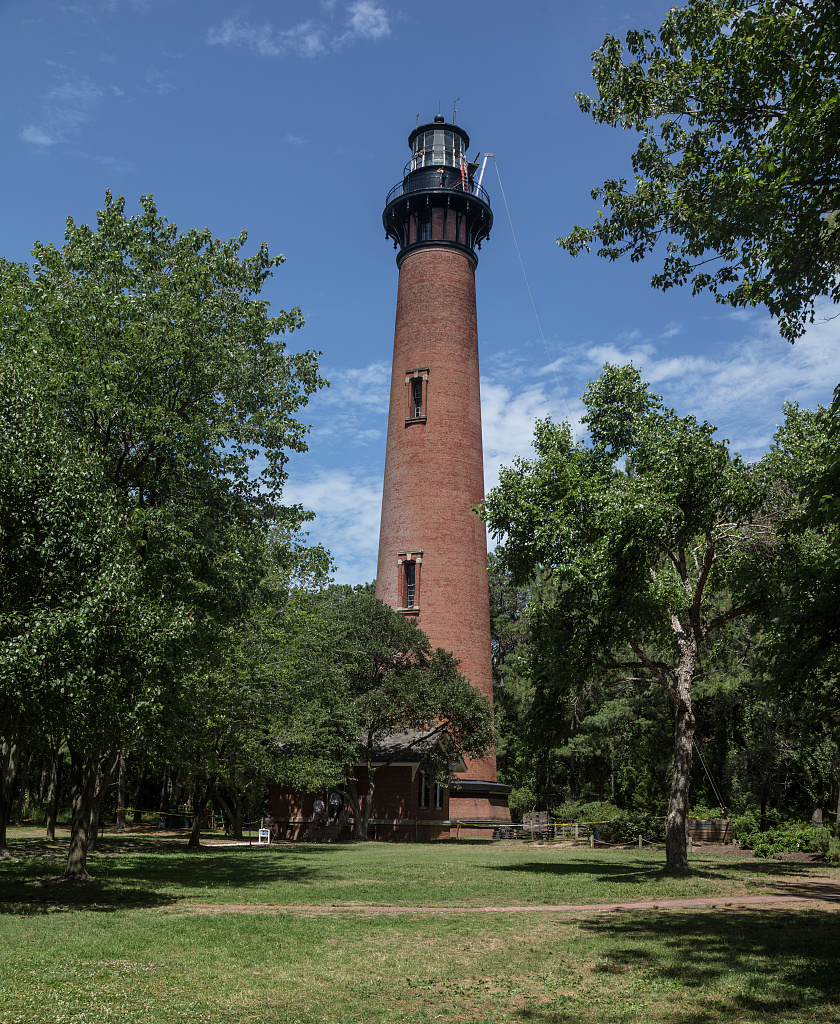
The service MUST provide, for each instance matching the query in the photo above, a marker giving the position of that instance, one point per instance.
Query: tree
(736, 102)
(161, 362)
(798, 654)
(640, 563)
(220, 731)
(375, 673)
(79, 633)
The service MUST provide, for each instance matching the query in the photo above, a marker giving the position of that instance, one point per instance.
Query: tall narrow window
(417, 389)
(438, 796)
(423, 793)
(408, 585)
(410, 576)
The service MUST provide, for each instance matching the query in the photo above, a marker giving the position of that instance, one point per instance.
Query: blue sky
(290, 119)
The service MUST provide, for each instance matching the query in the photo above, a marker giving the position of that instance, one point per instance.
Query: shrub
(521, 799)
(784, 837)
(706, 813)
(567, 811)
(627, 827)
(600, 810)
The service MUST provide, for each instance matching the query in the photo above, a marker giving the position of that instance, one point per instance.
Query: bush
(598, 810)
(785, 837)
(705, 813)
(521, 799)
(567, 811)
(627, 827)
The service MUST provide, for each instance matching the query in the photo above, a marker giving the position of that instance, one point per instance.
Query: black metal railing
(437, 179)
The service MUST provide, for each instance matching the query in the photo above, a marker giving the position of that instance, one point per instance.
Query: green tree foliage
(638, 561)
(736, 103)
(161, 369)
(80, 632)
(383, 688)
(222, 730)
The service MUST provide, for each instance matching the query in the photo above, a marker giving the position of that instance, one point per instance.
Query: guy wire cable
(528, 286)
(709, 775)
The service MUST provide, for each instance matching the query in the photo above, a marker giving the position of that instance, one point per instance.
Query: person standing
(336, 802)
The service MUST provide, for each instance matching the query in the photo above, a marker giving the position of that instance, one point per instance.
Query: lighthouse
(432, 563)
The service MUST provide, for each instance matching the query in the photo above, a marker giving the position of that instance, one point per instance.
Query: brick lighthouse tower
(432, 546)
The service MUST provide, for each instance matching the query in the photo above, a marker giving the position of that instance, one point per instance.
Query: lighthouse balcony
(437, 207)
(437, 179)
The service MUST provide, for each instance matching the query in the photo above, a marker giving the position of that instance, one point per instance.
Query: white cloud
(742, 389)
(347, 503)
(364, 20)
(354, 408)
(508, 415)
(37, 136)
(66, 108)
(368, 20)
(158, 81)
(672, 330)
(304, 39)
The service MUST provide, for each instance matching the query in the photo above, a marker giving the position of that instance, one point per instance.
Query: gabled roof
(407, 746)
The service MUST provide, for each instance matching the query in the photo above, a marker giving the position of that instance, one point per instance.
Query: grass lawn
(131, 946)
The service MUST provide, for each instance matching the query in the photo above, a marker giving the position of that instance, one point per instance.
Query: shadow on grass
(37, 896)
(139, 872)
(635, 871)
(767, 962)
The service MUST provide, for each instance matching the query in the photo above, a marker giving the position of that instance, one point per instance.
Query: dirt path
(795, 892)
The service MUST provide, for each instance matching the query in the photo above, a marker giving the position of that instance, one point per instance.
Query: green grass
(131, 946)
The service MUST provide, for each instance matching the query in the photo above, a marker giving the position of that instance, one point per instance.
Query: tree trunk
(9, 762)
(85, 770)
(23, 787)
(676, 846)
(102, 778)
(198, 812)
(51, 811)
(122, 779)
(42, 785)
(237, 811)
(164, 794)
(361, 821)
(138, 806)
(227, 810)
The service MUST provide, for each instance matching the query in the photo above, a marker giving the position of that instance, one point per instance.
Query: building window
(438, 796)
(410, 583)
(423, 794)
(425, 232)
(417, 383)
(408, 563)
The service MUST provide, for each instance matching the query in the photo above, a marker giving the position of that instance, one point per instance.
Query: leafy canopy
(738, 107)
(374, 673)
(142, 377)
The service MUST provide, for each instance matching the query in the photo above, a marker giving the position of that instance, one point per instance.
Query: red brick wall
(396, 796)
(434, 470)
